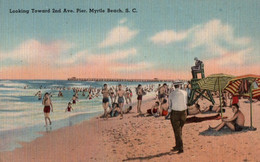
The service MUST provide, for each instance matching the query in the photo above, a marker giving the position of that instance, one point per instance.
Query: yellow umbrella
(215, 82)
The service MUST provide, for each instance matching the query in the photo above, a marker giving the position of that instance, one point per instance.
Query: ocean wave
(11, 84)
(37, 81)
(9, 98)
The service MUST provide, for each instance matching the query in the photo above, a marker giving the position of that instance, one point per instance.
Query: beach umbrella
(215, 82)
(245, 85)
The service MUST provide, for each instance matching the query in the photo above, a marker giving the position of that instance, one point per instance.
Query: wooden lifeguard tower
(196, 92)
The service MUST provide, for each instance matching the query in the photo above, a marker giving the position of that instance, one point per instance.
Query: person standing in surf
(47, 108)
(121, 94)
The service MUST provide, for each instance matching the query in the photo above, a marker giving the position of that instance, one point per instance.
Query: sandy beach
(143, 139)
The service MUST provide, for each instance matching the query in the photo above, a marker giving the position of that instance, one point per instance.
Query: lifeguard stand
(196, 89)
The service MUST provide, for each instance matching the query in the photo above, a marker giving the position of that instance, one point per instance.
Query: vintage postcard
(117, 80)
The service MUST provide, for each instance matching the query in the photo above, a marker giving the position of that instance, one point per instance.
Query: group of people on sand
(178, 100)
(117, 100)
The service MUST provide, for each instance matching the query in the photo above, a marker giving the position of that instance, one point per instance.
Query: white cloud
(118, 35)
(75, 59)
(111, 57)
(213, 31)
(235, 58)
(168, 36)
(98, 58)
(33, 51)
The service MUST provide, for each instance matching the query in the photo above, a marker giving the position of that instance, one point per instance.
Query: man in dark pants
(178, 105)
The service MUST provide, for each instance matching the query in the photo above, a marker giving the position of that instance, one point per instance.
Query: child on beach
(69, 108)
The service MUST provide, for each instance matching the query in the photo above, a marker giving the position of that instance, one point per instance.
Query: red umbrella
(235, 86)
(245, 85)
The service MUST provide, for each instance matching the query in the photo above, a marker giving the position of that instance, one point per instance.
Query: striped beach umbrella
(215, 82)
(235, 84)
(245, 85)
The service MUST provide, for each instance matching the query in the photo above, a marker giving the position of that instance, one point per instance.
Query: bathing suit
(238, 127)
(149, 111)
(105, 100)
(139, 97)
(161, 96)
(235, 100)
(164, 113)
(120, 100)
(47, 109)
(74, 101)
(69, 109)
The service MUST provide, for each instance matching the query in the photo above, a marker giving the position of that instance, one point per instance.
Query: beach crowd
(170, 101)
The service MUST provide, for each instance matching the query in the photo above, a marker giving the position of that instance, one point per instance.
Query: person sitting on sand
(115, 111)
(69, 108)
(212, 108)
(194, 109)
(164, 108)
(154, 111)
(236, 123)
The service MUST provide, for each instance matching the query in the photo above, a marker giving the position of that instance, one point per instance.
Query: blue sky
(161, 36)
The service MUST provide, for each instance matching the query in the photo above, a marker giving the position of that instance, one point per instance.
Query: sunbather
(236, 123)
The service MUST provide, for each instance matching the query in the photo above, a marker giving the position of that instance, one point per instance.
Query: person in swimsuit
(139, 93)
(120, 100)
(128, 96)
(154, 110)
(60, 94)
(236, 123)
(164, 108)
(39, 94)
(69, 108)
(47, 108)
(74, 99)
(112, 95)
(105, 100)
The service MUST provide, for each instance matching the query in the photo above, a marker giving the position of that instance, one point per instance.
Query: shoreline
(141, 138)
(40, 132)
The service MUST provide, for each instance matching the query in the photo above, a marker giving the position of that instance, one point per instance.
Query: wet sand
(143, 139)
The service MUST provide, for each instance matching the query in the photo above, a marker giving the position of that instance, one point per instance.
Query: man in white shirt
(178, 105)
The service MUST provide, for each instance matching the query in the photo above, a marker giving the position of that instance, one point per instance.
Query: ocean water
(21, 113)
